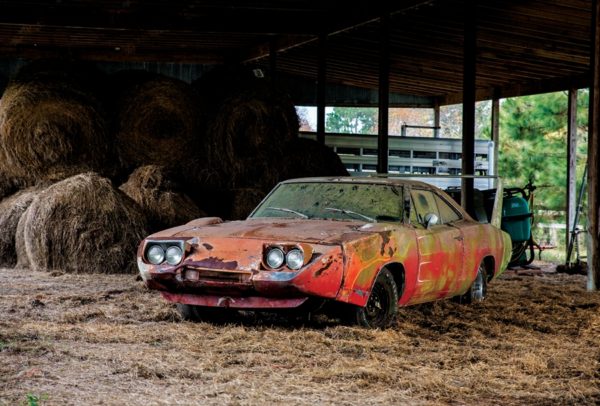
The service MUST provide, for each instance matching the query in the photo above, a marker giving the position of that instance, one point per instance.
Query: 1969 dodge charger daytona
(365, 245)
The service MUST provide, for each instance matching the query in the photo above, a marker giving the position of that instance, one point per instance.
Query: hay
(83, 225)
(243, 202)
(51, 130)
(8, 185)
(248, 122)
(534, 341)
(11, 211)
(306, 158)
(154, 189)
(158, 122)
(20, 247)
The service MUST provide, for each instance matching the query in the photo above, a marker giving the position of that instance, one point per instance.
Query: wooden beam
(495, 132)
(321, 88)
(293, 41)
(571, 164)
(273, 60)
(384, 94)
(469, 86)
(593, 251)
(530, 87)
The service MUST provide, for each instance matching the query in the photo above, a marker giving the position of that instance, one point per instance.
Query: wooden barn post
(571, 163)
(384, 94)
(469, 83)
(495, 131)
(593, 253)
(321, 88)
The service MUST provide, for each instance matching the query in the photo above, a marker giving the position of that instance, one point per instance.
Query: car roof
(370, 180)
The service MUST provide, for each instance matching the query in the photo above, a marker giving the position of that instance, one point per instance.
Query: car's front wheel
(381, 308)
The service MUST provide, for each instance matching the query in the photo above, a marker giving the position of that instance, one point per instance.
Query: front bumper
(243, 282)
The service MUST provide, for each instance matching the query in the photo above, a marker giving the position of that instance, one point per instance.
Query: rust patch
(214, 263)
(391, 251)
(385, 240)
(326, 266)
(208, 246)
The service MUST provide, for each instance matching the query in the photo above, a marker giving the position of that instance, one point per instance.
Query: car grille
(212, 276)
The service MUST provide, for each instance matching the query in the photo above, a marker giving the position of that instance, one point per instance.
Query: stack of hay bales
(73, 132)
(157, 121)
(52, 126)
(83, 225)
(152, 187)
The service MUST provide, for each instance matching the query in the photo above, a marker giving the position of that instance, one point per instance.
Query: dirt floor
(81, 339)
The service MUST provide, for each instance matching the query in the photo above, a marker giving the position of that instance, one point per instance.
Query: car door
(440, 247)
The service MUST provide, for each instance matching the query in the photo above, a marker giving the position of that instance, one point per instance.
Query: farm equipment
(517, 221)
(578, 266)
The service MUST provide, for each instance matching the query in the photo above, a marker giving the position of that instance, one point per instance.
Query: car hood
(300, 230)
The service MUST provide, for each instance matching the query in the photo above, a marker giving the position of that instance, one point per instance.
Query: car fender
(365, 257)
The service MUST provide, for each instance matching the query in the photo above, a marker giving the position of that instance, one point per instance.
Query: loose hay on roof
(155, 190)
(83, 225)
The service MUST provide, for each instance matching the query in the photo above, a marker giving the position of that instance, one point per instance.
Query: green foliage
(350, 120)
(451, 120)
(533, 144)
(35, 400)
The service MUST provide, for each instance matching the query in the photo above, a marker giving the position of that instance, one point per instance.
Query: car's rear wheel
(478, 290)
(203, 313)
(381, 308)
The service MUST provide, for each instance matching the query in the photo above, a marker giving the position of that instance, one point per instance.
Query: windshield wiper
(297, 213)
(346, 211)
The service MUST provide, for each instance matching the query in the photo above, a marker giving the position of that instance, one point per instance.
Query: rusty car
(367, 245)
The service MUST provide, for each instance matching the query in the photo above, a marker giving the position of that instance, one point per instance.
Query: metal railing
(408, 155)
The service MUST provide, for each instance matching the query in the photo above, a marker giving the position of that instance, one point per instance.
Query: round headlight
(155, 254)
(275, 258)
(174, 255)
(294, 259)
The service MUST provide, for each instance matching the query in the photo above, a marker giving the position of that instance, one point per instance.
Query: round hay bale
(3, 83)
(20, 247)
(307, 158)
(51, 130)
(248, 122)
(158, 123)
(8, 185)
(11, 211)
(243, 202)
(83, 225)
(154, 190)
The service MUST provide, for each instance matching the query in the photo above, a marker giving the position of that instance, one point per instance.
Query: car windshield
(333, 200)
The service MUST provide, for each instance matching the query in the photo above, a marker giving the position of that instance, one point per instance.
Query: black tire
(478, 290)
(381, 308)
(203, 313)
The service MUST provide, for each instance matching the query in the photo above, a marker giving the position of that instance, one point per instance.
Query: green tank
(516, 218)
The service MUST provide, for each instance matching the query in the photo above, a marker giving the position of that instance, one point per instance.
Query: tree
(352, 120)
(533, 144)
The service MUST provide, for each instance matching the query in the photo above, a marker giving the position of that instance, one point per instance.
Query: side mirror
(431, 219)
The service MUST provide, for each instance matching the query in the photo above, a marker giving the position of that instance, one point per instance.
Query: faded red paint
(224, 261)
